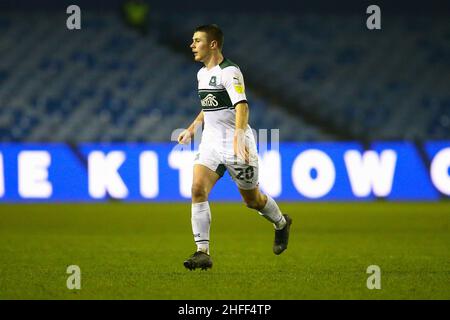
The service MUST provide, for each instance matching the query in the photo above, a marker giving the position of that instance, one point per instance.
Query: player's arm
(233, 81)
(241, 116)
(187, 134)
(239, 146)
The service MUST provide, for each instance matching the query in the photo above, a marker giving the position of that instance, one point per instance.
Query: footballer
(227, 144)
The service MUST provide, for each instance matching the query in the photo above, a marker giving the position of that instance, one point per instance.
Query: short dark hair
(213, 32)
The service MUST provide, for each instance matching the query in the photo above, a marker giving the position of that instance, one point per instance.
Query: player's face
(200, 47)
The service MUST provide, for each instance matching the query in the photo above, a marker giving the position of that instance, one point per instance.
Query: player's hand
(240, 147)
(184, 137)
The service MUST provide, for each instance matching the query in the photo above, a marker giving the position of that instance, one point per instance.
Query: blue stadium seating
(386, 84)
(108, 83)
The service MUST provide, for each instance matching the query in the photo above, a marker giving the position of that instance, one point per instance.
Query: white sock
(272, 213)
(201, 221)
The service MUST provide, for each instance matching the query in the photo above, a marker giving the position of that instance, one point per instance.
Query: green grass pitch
(135, 251)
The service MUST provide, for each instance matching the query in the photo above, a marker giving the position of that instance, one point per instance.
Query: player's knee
(253, 204)
(199, 192)
(258, 202)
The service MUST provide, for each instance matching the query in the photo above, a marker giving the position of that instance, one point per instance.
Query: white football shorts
(244, 175)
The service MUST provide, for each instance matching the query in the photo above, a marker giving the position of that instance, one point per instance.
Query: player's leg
(246, 178)
(265, 205)
(203, 181)
(268, 208)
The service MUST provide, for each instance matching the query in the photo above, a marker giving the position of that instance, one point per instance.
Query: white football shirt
(220, 89)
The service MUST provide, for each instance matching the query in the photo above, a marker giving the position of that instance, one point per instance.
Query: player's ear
(213, 44)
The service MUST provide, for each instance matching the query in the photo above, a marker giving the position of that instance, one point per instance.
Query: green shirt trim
(227, 63)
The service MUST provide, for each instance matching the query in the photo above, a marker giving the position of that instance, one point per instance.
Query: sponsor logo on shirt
(238, 86)
(209, 101)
